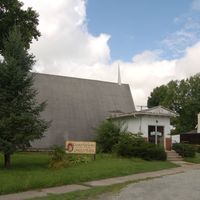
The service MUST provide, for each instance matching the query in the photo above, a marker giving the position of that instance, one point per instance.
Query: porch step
(173, 156)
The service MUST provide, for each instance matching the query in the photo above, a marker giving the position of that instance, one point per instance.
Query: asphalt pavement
(181, 186)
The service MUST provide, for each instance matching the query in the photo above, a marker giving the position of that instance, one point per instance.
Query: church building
(77, 106)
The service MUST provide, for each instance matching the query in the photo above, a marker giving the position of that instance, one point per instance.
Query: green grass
(88, 194)
(30, 171)
(196, 159)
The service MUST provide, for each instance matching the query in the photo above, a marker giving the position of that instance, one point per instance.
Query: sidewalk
(104, 182)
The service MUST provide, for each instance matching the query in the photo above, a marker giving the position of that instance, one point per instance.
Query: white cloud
(196, 5)
(67, 48)
(190, 63)
(177, 42)
(187, 35)
(146, 57)
(65, 40)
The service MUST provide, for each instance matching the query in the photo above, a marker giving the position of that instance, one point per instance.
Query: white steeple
(119, 76)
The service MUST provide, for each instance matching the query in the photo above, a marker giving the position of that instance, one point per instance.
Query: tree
(157, 96)
(20, 121)
(187, 103)
(11, 14)
(182, 97)
(163, 95)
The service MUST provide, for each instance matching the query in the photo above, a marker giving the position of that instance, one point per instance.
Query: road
(182, 186)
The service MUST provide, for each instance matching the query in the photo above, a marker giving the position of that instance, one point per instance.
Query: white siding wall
(151, 121)
(175, 138)
(141, 123)
(133, 124)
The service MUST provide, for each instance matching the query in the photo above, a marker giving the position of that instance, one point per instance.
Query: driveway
(182, 186)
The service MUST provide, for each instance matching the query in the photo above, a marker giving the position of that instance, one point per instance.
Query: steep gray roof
(77, 106)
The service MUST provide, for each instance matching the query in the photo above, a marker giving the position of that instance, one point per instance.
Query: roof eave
(141, 113)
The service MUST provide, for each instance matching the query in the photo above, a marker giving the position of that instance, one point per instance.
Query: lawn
(89, 194)
(196, 159)
(30, 171)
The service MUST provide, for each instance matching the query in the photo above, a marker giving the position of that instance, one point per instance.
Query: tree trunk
(7, 160)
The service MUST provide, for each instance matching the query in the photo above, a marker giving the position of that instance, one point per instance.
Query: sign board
(156, 133)
(80, 147)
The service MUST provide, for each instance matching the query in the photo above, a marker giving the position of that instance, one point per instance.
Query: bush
(131, 145)
(74, 160)
(185, 150)
(197, 148)
(153, 152)
(58, 157)
(108, 135)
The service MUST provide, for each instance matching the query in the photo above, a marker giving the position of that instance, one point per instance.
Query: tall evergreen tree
(20, 121)
(13, 13)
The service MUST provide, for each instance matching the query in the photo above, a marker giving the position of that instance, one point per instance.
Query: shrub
(126, 143)
(58, 157)
(185, 150)
(152, 152)
(131, 145)
(197, 148)
(74, 160)
(108, 135)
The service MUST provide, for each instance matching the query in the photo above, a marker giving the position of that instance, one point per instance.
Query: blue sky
(153, 41)
(138, 25)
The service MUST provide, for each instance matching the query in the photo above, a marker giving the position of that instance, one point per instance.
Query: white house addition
(153, 124)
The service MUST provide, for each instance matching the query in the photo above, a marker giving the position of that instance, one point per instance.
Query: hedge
(185, 150)
(130, 145)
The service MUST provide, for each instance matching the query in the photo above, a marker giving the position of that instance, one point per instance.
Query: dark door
(152, 131)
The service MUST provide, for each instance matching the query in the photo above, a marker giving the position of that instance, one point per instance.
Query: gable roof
(159, 110)
(77, 106)
(154, 111)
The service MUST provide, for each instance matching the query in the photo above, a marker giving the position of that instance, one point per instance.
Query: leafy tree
(163, 95)
(187, 103)
(20, 121)
(182, 97)
(157, 96)
(12, 13)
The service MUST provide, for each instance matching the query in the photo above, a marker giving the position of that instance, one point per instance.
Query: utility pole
(141, 107)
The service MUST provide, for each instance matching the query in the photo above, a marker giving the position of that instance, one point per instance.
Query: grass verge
(85, 194)
(196, 159)
(88, 194)
(30, 171)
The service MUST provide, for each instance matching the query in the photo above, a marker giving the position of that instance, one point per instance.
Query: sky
(152, 41)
